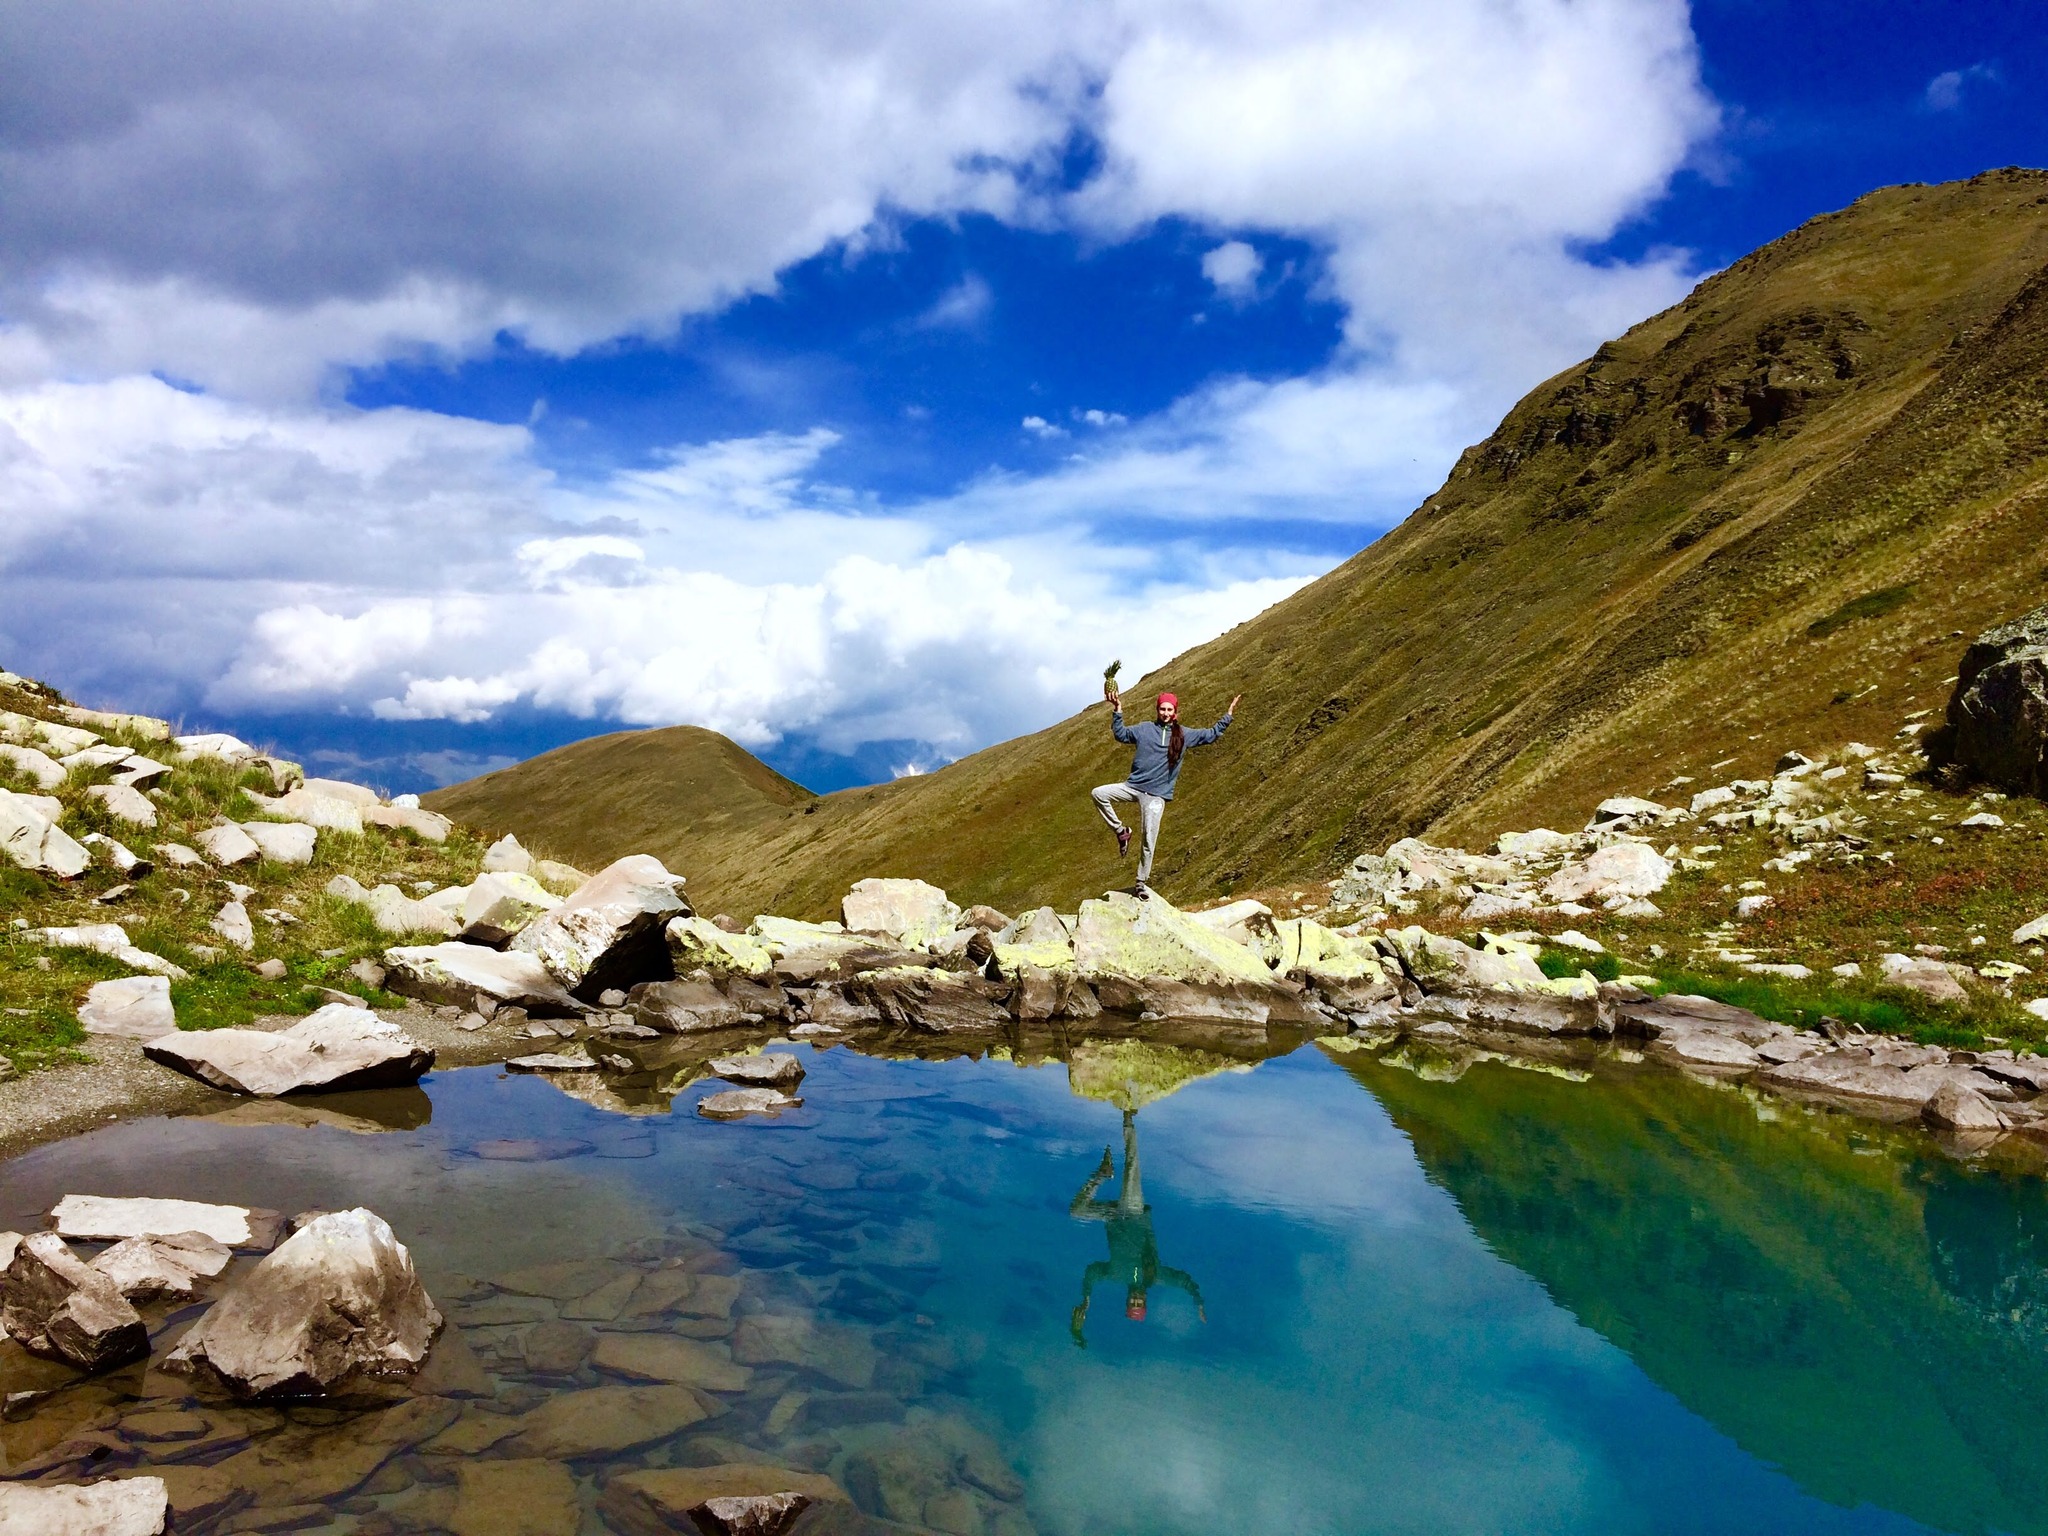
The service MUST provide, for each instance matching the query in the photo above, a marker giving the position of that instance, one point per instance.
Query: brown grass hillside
(1766, 516)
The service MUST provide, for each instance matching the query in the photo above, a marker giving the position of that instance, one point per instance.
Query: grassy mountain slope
(1765, 516)
(591, 801)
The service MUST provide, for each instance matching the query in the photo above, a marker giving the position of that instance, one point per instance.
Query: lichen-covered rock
(1998, 714)
(53, 1303)
(1346, 971)
(1249, 923)
(609, 932)
(1146, 955)
(696, 943)
(338, 1301)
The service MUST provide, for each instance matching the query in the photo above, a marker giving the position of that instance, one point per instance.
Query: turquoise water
(1343, 1298)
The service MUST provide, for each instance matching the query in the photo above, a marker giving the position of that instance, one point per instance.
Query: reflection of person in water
(1133, 1254)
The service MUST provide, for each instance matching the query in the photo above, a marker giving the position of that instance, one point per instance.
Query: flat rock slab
(129, 1506)
(669, 1358)
(285, 842)
(108, 1219)
(340, 1046)
(604, 1420)
(145, 1268)
(134, 1008)
(337, 1301)
(768, 1070)
(514, 1498)
(455, 973)
(551, 1061)
(737, 1102)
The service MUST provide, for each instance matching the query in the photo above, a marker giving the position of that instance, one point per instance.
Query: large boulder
(935, 1002)
(37, 764)
(124, 802)
(328, 812)
(228, 845)
(696, 943)
(150, 1268)
(33, 839)
(684, 1007)
(456, 973)
(396, 913)
(361, 796)
(1620, 871)
(337, 1302)
(914, 914)
(1998, 714)
(501, 904)
(1502, 987)
(428, 826)
(1346, 971)
(609, 933)
(1144, 955)
(136, 1007)
(53, 1303)
(341, 1046)
(1249, 923)
(127, 1506)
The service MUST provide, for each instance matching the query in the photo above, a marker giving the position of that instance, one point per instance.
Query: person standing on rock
(1155, 767)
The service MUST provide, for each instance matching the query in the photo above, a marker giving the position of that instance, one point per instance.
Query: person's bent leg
(1108, 797)
(1151, 807)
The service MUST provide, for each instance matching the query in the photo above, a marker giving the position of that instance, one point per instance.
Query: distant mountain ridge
(1767, 514)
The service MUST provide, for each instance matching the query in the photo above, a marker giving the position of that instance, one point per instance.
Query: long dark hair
(1176, 744)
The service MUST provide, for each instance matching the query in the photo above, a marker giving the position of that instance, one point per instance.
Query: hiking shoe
(1142, 891)
(1123, 841)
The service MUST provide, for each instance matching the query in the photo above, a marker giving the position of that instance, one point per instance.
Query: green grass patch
(1887, 1011)
(1558, 964)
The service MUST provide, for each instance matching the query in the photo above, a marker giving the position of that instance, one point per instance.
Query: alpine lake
(1172, 1279)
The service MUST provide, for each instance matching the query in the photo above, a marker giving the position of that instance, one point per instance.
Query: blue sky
(419, 391)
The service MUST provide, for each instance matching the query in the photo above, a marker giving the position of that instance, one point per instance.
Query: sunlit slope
(633, 792)
(1867, 1324)
(1754, 520)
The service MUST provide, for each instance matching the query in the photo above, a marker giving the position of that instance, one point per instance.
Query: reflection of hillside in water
(1873, 1324)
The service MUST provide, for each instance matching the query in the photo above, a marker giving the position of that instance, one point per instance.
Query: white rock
(103, 755)
(107, 939)
(125, 803)
(405, 802)
(735, 1102)
(1749, 906)
(1710, 799)
(1767, 968)
(1926, 976)
(138, 771)
(109, 1219)
(341, 1046)
(1537, 843)
(324, 811)
(128, 1506)
(429, 826)
(1249, 923)
(561, 879)
(179, 856)
(137, 1007)
(2038, 1007)
(148, 727)
(1635, 906)
(2033, 932)
(285, 842)
(232, 923)
(1571, 938)
(38, 765)
(31, 838)
(228, 845)
(1621, 869)
(145, 1268)
(456, 973)
(1982, 821)
(1849, 970)
(339, 1300)
(501, 904)
(911, 912)
(1627, 808)
(599, 937)
(505, 856)
(228, 749)
(340, 789)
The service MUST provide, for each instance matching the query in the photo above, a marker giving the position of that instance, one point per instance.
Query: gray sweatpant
(1150, 809)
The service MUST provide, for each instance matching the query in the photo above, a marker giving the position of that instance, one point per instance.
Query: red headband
(1167, 698)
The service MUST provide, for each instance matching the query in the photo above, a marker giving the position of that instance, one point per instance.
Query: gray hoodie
(1150, 774)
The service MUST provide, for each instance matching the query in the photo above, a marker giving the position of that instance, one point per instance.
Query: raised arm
(1181, 1280)
(1203, 737)
(1117, 728)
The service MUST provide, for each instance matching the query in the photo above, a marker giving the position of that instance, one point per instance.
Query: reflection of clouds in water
(1295, 1136)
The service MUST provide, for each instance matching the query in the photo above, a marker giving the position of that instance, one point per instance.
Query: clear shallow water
(1377, 1303)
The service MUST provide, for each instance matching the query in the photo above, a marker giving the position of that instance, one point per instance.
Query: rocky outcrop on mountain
(338, 1302)
(30, 836)
(1998, 714)
(341, 1046)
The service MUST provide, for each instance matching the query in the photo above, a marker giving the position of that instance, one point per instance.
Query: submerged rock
(128, 1506)
(609, 933)
(337, 1301)
(725, 1500)
(737, 1102)
(604, 1420)
(341, 1046)
(53, 1303)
